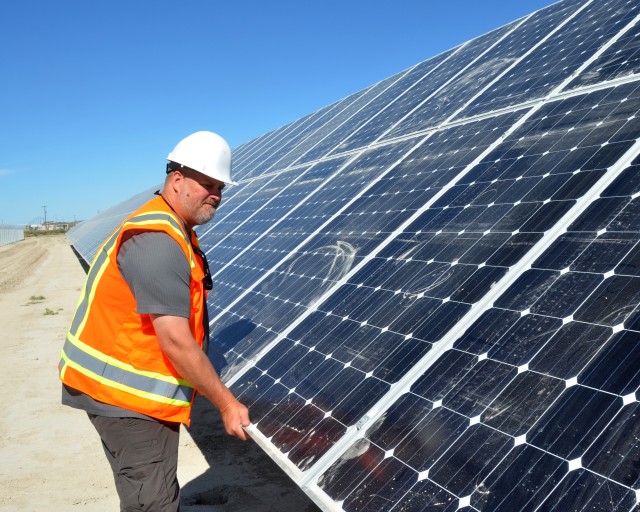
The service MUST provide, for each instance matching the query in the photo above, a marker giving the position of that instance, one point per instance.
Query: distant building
(50, 226)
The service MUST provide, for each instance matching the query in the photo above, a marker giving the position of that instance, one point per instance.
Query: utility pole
(45, 215)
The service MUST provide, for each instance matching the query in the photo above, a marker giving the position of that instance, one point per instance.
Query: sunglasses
(207, 281)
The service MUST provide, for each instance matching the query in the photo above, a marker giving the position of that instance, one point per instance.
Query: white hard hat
(205, 152)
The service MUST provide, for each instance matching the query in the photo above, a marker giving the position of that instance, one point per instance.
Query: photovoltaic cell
(428, 293)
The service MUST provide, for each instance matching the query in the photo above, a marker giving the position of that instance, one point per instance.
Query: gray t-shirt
(156, 270)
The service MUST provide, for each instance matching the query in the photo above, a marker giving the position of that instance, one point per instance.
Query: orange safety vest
(111, 352)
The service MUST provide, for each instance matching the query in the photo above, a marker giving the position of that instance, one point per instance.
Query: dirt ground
(51, 456)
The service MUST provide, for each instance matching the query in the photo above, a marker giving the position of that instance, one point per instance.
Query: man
(133, 358)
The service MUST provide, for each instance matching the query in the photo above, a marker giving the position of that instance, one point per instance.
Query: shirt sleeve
(158, 274)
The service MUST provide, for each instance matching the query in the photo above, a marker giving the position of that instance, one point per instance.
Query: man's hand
(178, 344)
(235, 416)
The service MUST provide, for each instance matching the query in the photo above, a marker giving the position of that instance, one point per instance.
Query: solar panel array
(87, 237)
(427, 293)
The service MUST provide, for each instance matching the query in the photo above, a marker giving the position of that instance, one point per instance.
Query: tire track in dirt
(19, 260)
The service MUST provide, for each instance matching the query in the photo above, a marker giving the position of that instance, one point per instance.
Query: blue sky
(94, 94)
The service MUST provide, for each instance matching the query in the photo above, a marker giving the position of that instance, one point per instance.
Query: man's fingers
(241, 433)
(236, 419)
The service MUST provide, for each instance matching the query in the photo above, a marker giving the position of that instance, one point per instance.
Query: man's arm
(178, 344)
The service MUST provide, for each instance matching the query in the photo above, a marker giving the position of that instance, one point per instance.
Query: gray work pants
(143, 455)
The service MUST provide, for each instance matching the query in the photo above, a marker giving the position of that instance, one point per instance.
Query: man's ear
(177, 178)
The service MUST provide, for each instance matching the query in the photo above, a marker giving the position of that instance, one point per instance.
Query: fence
(10, 234)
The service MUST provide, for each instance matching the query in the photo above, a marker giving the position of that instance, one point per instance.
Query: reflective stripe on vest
(111, 372)
(103, 368)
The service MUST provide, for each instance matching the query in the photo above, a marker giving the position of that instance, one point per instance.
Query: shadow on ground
(241, 477)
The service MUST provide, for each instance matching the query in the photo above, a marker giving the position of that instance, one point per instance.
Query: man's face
(199, 197)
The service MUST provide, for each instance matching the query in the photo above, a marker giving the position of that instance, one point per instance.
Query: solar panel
(533, 407)
(87, 236)
(427, 293)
